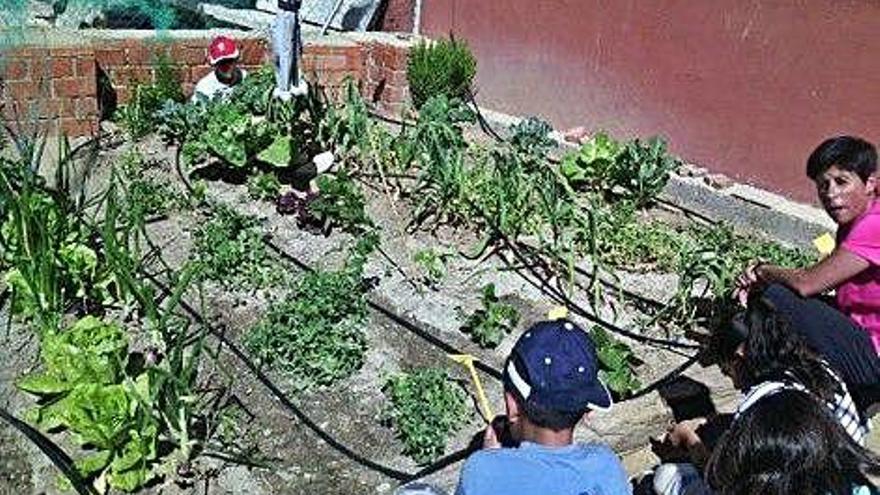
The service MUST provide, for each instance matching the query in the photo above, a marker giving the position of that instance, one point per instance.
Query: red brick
(78, 127)
(129, 75)
(194, 55)
(252, 51)
(123, 94)
(22, 90)
(73, 87)
(62, 67)
(110, 57)
(62, 52)
(15, 69)
(199, 72)
(86, 107)
(86, 67)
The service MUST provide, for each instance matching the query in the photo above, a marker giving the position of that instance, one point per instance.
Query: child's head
(223, 56)
(760, 345)
(787, 443)
(551, 377)
(844, 170)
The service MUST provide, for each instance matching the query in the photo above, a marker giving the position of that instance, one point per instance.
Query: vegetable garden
(181, 318)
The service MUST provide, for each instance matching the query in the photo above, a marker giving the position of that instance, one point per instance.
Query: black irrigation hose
(396, 318)
(392, 473)
(55, 454)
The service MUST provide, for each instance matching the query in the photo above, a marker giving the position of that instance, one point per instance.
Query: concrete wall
(744, 87)
(53, 79)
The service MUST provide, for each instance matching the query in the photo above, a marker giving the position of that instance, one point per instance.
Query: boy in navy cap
(550, 383)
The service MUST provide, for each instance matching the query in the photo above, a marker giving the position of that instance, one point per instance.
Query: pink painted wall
(744, 87)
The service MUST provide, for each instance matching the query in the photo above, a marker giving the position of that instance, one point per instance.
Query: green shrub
(615, 363)
(444, 67)
(426, 406)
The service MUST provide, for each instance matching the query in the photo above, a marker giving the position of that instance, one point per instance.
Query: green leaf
(279, 153)
(42, 384)
(93, 463)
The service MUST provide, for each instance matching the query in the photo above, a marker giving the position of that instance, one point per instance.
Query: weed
(616, 363)
(264, 186)
(229, 249)
(441, 68)
(489, 324)
(426, 406)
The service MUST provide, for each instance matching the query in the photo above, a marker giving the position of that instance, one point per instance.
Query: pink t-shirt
(859, 297)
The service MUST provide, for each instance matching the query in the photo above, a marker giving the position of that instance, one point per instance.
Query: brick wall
(59, 85)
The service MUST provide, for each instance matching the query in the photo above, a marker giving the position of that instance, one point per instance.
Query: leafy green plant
(231, 135)
(341, 202)
(433, 264)
(489, 324)
(531, 136)
(314, 334)
(425, 407)
(440, 68)
(139, 116)
(265, 186)
(87, 394)
(229, 249)
(616, 363)
(643, 168)
(636, 171)
(592, 162)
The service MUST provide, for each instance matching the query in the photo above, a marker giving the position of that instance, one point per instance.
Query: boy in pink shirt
(847, 334)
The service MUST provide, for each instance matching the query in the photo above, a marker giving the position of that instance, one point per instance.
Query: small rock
(384, 487)
(718, 181)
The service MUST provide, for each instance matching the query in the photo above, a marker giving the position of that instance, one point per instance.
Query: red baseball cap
(222, 48)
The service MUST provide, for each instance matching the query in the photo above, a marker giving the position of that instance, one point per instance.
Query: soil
(350, 411)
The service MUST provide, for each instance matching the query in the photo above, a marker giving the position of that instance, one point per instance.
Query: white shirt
(209, 87)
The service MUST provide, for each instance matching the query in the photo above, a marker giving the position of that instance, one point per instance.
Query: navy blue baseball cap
(554, 366)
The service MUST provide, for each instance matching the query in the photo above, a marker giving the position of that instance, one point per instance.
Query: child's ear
(871, 185)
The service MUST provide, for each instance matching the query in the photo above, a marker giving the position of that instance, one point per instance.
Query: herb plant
(440, 68)
(314, 335)
(433, 264)
(229, 249)
(493, 321)
(425, 407)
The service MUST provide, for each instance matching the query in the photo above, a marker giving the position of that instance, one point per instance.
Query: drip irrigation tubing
(392, 473)
(55, 454)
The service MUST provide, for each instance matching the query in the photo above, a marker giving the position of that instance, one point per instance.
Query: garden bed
(402, 301)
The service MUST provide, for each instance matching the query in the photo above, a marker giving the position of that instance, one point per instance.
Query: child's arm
(832, 271)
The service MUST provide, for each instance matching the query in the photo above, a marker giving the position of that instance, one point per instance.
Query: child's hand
(745, 283)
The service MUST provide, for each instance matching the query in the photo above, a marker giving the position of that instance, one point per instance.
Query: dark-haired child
(846, 332)
(550, 384)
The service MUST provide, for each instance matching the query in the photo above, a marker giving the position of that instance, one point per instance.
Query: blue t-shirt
(532, 469)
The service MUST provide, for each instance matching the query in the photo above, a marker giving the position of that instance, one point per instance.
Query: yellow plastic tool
(557, 313)
(825, 244)
(468, 361)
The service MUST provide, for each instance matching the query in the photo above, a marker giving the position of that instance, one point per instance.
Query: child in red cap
(223, 56)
